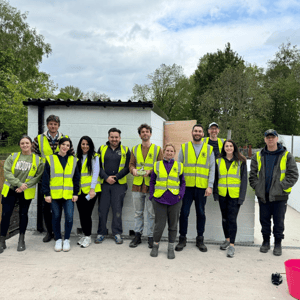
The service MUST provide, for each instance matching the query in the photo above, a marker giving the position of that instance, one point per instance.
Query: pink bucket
(292, 268)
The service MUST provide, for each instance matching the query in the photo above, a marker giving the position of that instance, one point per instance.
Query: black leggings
(8, 204)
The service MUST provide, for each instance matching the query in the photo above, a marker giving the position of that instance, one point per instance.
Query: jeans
(197, 194)
(140, 200)
(57, 206)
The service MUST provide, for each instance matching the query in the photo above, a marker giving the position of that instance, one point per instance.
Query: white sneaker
(58, 245)
(67, 246)
(87, 241)
(80, 241)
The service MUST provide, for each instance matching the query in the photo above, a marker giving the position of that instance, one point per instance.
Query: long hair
(90, 153)
(65, 139)
(237, 156)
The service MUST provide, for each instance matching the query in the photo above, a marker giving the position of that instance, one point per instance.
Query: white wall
(287, 139)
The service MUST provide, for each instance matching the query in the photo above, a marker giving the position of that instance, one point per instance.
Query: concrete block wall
(294, 200)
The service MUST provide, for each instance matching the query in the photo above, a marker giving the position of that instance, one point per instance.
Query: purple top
(167, 198)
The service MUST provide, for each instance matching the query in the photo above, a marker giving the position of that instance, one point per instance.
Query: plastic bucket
(292, 268)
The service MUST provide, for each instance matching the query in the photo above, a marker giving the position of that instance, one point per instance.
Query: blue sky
(108, 46)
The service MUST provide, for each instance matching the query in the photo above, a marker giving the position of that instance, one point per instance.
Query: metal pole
(292, 150)
(228, 134)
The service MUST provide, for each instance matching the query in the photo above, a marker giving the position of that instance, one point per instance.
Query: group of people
(165, 188)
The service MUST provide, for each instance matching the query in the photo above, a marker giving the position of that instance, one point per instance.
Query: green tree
(70, 92)
(26, 45)
(94, 96)
(209, 69)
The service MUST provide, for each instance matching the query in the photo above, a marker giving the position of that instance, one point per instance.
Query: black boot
(277, 247)
(171, 253)
(154, 251)
(48, 237)
(2, 243)
(150, 242)
(200, 244)
(21, 244)
(136, 241)
(181, 244)
(265, 247)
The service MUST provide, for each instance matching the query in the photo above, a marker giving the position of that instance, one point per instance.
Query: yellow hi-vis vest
(196, 171)
(86, 180)
(229, 180)
(282, 167)
(45, 147)
(30, 192)
(165, 181)
(151, 158)
(220, 142)
(124, 151)
(61, 180)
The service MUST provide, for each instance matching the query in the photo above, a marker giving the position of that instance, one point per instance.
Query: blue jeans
(197, 194)
(140, 200)
(57, 206)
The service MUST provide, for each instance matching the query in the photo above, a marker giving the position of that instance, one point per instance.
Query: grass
(9, 149)
(297, 159)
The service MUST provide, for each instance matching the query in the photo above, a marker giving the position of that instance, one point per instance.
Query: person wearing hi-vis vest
(167, 186)
(90, 186)
(142, 159)
(114, 166)
(231, 184)
(22, 171)
(199, 172)
(60, 185)
(273, 173)
(213, 140)
(46, 144)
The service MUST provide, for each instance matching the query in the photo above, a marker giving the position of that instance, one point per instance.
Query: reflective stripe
(68, 188)
(228, 185)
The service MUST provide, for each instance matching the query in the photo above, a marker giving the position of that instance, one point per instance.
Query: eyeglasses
(268, 137)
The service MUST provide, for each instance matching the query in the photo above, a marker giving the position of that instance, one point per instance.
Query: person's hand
(148, 172)
(74, 198)
(48, 199)
(111, 179)
(92, 193)
(208, 192)
(134, 172)
(23, 187)
(18, 190)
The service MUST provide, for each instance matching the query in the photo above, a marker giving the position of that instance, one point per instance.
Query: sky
(109, 46)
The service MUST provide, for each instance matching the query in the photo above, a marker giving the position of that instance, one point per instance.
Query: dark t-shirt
(215, 145)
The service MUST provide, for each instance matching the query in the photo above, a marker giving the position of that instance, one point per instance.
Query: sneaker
(118, 239)
(67, 246)
(86, 242)
(99, 239)
(58, 245)
(230, 251)
(80, 241)
(225, 245)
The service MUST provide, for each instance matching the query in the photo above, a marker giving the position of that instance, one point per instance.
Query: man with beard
(143, 156)
(199, 171)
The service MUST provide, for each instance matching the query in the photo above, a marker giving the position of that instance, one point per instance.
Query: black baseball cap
(271, 132)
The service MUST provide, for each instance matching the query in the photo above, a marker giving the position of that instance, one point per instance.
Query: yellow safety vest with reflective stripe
(220, 142)
(86, 179)
(282, 167)
(165, 181)
(196, 171)
(29, 193)
(61, 180)
(148, 163)
(45, 147)
(124, 151)
(229, 179)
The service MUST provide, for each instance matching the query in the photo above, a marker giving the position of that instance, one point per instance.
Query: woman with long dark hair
(231, 178)
(22, 171)
(61, 187)
(90, 186)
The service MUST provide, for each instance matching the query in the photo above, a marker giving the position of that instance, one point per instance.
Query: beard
(197, 139)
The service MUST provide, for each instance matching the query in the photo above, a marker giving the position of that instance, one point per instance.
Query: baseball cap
(271, 132)
(213, 124)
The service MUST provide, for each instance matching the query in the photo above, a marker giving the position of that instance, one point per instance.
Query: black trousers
(112, 195)
(277, 210)
(229, 210)
(8, 204)
(166, 213)
(85, 209)
(44, 210)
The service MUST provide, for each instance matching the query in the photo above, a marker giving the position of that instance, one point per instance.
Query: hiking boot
(230, 251)
(136, 241)
(277, 251)
(48, 237)
(2, 243)
(225, 245)
(154, 251)
(150, 242)
(181, 244)
(21, 243)
(171, 253)
(99, 239)
(118, 239)
(200, 244)
(265, 247)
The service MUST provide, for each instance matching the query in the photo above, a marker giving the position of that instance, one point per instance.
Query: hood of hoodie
(279, 150)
